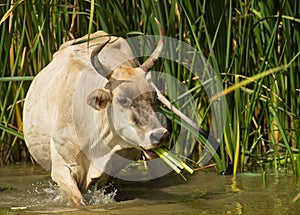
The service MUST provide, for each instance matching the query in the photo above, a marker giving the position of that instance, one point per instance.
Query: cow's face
(130, 101)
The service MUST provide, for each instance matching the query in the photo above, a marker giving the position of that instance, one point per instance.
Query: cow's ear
(99, 99)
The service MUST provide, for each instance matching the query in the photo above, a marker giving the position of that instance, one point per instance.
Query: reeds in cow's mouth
(173, 161)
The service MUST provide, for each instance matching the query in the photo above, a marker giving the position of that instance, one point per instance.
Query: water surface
(27, 189)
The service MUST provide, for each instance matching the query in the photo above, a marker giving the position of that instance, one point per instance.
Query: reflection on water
(26, 189)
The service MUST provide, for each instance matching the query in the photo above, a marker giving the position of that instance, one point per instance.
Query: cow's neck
(115, 138)
(106, 134)
(105, 146)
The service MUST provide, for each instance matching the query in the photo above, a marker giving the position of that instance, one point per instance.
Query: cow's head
(130, 100)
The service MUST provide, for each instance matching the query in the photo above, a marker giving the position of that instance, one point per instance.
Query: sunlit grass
(253, 47)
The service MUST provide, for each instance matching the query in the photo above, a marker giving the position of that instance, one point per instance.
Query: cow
(90, 106)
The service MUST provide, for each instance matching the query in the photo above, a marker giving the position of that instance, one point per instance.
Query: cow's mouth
(149, 154)
(158, 139)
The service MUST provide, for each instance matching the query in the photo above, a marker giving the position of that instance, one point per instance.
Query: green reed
(253, 47)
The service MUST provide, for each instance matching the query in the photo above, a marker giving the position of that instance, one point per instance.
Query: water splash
(49, 194)
(42, 193)
(53, 193)
(96, 196)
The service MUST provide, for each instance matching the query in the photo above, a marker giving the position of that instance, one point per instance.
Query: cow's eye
(124, 102)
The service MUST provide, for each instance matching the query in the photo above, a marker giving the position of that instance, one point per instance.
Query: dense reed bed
(253, 47)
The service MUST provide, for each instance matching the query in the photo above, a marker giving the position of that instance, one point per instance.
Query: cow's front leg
(65, 170)
(63, 177)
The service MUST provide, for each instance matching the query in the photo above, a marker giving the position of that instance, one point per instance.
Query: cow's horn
(150, 61)
(99, 67)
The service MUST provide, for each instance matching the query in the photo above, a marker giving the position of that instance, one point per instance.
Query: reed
(253, 47)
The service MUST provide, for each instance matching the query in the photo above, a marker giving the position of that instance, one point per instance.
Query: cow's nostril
(159, 136)
(155, 137)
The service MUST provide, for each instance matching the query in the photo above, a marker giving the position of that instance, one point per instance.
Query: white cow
(79, 113)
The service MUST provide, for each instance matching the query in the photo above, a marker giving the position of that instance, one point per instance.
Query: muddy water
(27, 189)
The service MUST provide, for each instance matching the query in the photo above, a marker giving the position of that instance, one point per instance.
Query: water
(27, 189)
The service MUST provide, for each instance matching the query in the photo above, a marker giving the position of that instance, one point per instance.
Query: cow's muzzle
(156, 138)
(159, 136)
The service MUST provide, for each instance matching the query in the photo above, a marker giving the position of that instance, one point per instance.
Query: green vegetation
(253, 46)
(173, 161)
